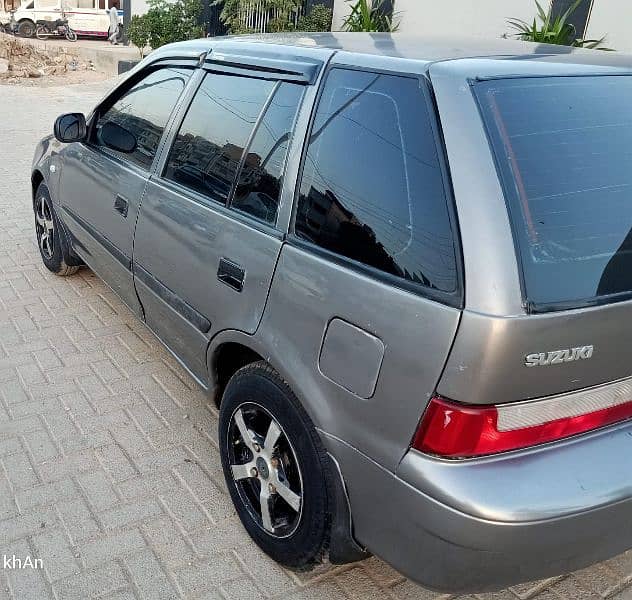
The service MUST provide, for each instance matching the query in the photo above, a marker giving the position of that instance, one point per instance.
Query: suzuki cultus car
(401, 267)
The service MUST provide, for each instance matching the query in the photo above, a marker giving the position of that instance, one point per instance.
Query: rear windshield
(563, 146)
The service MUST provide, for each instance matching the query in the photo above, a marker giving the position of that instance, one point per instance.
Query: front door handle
(231, 274)
(121, 205)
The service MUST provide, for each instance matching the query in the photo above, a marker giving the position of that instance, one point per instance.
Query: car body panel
(90, 182)
(449, 550)
(416, 334)
(199, 235)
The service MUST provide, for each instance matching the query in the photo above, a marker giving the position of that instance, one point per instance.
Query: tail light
(456, 430)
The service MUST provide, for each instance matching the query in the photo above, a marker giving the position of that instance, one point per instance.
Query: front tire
(71, 36)
(276, 468)
(49, 235)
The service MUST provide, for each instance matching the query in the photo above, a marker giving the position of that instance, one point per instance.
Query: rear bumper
(486, 524)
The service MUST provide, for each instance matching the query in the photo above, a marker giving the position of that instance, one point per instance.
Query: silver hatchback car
(402, 268)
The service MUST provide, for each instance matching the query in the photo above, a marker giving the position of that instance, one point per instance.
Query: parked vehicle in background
(401, 267)
(85, 17)
(58, 28)
(10, 26)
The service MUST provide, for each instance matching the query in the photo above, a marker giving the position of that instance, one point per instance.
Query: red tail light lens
(458, 430)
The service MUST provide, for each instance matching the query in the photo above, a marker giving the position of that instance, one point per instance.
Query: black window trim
(293, 71)
(453, 299)
(116, 95)
(530, 306)
(207, 201)
(248, 144)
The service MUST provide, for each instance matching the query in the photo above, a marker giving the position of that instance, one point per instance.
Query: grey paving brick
(53, 547)
(116, 463)
(25, 583)
(98, 490)
(45, 494)
(8, 507)
(94, 583)
(183, 507)
(63, 466)
(26, 524)
(149, 579)
(106, 549)
(204, 577)
(77, 519)
(40, 445)
(129, 513)
(10, 446)
(151, 484)
(168, 543)
(269, 577)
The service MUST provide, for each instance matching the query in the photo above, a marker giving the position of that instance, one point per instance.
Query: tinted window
(564, 149)
(372, 187)
(144, 110)
(208, 149)
(260, 180)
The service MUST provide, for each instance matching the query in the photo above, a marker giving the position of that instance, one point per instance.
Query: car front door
(206, 242)
(101, 188)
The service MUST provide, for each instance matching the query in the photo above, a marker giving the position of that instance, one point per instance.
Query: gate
(255, 15)
(213, 25)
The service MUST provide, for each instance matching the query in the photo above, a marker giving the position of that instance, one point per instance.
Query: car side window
(260, 179)
(208, 150)
(143, 111)
(372, 186)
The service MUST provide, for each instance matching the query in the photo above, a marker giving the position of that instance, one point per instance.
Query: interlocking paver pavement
(109, 469)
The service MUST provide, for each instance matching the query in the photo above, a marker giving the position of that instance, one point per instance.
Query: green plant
(166, 22)
(235, 13)
(553, 30)
(138, 32)
(318, 19)
(367, 15)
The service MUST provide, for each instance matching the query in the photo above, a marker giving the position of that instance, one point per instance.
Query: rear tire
(282, 466)
(41, 33)
(50, 239)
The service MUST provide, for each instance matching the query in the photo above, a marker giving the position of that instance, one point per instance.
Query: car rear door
(101, 189)
(207, 241)
(366, 298)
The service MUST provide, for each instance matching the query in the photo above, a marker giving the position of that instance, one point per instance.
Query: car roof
(423, 49)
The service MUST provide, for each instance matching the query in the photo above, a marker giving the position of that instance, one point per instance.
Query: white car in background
(85, 17)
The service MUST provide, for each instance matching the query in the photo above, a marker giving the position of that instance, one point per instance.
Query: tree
(318, 19)
(166, 22)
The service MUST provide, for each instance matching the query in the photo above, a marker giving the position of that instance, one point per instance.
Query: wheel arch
(227, 353)
(225, 358)
(37, 178)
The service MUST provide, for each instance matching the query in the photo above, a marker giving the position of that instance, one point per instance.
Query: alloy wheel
(265, 470)
(45, 227)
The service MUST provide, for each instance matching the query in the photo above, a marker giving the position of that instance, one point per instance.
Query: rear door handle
(121, 205)
(231, 274)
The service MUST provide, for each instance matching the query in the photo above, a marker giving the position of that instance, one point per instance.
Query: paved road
(109, 469)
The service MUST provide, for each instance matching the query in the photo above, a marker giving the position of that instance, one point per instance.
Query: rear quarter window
(372, 188)
(563, 146)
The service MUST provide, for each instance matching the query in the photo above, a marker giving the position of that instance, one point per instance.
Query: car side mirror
(70, 127)
(117, 138)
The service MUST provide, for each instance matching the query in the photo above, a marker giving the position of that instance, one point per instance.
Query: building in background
(593, 19)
